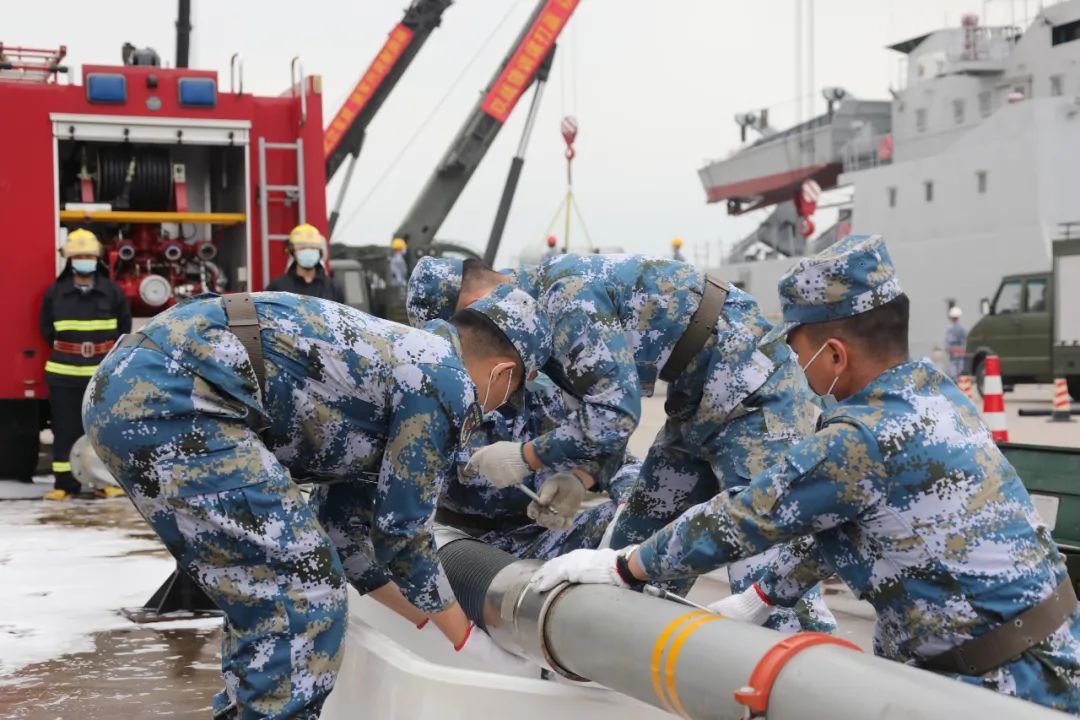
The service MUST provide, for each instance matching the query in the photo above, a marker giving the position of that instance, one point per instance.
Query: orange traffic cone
(1062, 409)
(966, 383)
(994, 400)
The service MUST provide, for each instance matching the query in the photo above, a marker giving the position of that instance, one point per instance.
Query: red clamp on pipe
(755, 696)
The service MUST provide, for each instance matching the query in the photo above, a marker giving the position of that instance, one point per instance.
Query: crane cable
(569, 204)
(427, 120)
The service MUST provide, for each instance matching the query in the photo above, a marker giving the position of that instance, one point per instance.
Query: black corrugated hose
(471, 566)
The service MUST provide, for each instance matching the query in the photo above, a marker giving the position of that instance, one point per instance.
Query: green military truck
(1049, 474)
(1033, 325)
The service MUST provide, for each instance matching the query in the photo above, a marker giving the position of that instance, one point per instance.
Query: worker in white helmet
(82, 315)
(306, 272)
(955, 343)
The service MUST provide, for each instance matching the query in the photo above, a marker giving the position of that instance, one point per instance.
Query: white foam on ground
(12, 490)
(59, 584)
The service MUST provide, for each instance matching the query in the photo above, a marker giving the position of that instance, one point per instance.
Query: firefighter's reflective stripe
(61, 467)
(85, 325)
(73, 370)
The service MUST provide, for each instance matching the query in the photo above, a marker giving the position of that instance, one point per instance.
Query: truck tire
(1073, 381)
(979, 371)
(18, 439)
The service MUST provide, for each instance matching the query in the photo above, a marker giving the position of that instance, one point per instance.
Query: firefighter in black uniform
(82, 315)
(306, 274)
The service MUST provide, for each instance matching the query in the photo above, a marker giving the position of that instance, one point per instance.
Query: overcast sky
(654, 85)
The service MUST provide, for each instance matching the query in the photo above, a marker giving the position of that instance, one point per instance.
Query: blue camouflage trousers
(228, 512)
(676, 475)
(345, 510)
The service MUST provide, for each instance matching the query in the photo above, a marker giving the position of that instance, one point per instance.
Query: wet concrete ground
(137, 672)
(123, 670)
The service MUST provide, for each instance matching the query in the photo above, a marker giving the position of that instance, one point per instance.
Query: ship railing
(862, 153)
(988, 47)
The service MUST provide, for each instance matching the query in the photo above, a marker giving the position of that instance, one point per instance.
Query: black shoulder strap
(244, 323)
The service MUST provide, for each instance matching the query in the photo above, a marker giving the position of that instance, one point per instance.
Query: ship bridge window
(985, 103)
(928, 190)
(980, 181)
(1057, 83)
(892, 197)
(920, 119)
(958, 111)
(1065, 33)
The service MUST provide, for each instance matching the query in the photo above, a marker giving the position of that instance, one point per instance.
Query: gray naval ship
(968, 171)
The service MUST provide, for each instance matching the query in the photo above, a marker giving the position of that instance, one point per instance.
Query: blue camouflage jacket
(614, 321)
(542, 407)
(348, 397)
(907, 499)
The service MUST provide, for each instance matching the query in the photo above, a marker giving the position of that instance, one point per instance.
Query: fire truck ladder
(292, 194)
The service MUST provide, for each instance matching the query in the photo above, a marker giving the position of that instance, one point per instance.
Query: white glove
(580, 566)
(483, 652)
(560, 497)
(747, 606)
(502, 464)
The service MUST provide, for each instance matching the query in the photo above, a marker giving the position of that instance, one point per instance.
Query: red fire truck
(191, 187)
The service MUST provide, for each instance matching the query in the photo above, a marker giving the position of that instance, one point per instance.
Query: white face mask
(491, 379)
(828, 396)
(308, 258)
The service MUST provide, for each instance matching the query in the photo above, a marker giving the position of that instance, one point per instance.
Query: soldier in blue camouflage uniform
(371, 407)
(505, 517)
(615, 319)
(904, 495)
(433, 293)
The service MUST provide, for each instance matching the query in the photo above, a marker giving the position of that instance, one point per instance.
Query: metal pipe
(691, 662)
(264, 214)
(518, 162)
(183, 33)
(236, 62)
(659, 592)
(336, 212)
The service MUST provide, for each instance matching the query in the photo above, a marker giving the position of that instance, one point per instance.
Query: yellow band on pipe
(658, 653)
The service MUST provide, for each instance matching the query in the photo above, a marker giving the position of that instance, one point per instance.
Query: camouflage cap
(433, 290)
(519, 317)
(851, 277)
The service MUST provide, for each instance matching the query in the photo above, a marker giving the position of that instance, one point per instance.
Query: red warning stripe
(520, 71)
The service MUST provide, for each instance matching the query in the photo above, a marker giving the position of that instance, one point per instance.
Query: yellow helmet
(306, 236)
(676, 243)
(397, 244)
(81, 242)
